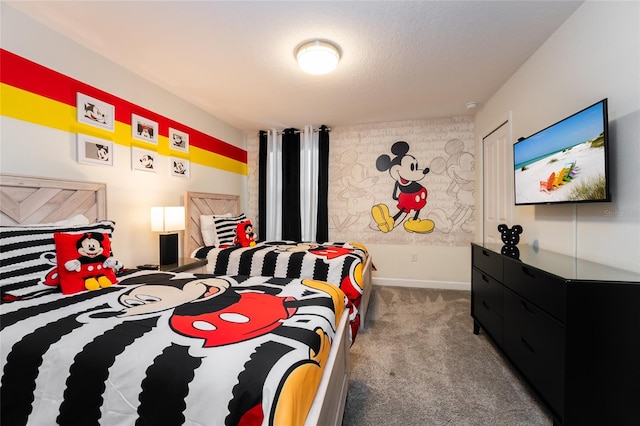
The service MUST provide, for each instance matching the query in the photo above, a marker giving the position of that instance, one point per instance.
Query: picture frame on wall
(178, 140)
(144, 129)
(180, 167)
(144, 160)
(95, 112)
(92, 150)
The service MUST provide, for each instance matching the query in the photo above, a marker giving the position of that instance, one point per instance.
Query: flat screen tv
(566, 162)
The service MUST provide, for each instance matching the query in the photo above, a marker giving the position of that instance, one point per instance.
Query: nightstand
(187, 264)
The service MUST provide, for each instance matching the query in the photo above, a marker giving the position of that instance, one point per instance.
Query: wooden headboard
(203, 203)
(26, 200)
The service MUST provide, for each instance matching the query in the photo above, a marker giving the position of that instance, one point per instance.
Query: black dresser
(570, 326)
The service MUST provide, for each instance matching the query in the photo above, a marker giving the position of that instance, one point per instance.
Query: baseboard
(402, 282)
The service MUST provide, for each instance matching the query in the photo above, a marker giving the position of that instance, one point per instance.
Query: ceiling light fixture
(317, 56)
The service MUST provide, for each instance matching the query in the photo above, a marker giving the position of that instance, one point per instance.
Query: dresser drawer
(487, 261)
(486, 306)
(535, 342)
(541, 288)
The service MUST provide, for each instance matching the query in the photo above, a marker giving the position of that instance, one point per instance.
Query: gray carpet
(418, 363)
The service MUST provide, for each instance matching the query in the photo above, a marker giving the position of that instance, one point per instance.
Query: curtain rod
(315, 130)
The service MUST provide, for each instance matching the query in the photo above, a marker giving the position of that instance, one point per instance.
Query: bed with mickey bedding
(86, 341)
(217, 231)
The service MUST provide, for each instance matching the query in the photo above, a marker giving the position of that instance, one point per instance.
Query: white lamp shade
(317, 57)
(167, 219)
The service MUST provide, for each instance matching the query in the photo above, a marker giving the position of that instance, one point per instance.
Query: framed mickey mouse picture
(180, 167)
(94, 150)
(144, 129)
(144, 160)
(178, 140)
(95, 112)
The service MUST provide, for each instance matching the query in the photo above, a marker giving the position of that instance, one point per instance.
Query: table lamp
(166, 220)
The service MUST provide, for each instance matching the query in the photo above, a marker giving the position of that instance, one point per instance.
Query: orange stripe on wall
(24, 74)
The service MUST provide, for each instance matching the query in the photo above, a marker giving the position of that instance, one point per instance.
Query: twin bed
(347, 265)
(159, 347)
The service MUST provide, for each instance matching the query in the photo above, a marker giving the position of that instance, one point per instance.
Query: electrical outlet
(414, 257)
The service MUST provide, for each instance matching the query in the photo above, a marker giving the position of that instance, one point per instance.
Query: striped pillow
(226, 228)
(28, 256)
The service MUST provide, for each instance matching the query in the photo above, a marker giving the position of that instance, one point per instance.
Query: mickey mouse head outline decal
(410, 195)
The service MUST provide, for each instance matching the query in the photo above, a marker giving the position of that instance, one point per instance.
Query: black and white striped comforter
(339, 263)
(168, 349)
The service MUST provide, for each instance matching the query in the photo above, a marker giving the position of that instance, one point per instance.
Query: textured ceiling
(401, 60)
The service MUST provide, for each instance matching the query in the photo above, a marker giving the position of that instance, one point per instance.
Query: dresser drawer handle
(526, 307)
(484, 278)
(485, 252)
(486, 306)
(528, 272)
(527, 345)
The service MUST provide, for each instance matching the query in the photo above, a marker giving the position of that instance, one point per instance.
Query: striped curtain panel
(293, 184)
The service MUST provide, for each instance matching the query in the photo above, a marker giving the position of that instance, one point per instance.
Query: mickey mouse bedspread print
(166, 348)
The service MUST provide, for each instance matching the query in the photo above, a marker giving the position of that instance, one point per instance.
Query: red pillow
(84, 261)
(245, 236)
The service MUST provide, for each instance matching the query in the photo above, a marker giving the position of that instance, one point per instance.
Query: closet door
(497, 181)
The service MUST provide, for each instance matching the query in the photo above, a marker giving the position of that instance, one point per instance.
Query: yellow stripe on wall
(26, 106)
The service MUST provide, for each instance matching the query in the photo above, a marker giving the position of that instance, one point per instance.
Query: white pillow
(208, 228)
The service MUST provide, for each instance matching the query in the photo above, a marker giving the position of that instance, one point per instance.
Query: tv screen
(566, 162)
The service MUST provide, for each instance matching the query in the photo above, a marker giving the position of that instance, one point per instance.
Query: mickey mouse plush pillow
(244, 234)
(84, 261)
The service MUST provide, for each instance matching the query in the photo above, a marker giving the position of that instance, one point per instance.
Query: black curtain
(262, 186)
(322, 232)
(291, 223)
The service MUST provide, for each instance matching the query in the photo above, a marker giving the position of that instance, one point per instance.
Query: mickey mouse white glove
(72, 265)
(111, 262)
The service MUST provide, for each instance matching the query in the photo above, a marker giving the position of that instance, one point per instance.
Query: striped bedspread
(168, 348)
(339, 263)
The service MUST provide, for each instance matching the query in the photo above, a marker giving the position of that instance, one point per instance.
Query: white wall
(595, 54)
(30, 149)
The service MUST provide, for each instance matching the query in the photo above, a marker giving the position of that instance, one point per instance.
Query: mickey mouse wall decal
(410, 195)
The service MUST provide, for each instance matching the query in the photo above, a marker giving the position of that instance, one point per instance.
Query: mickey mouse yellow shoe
(104, 282)
(295, 399)
(419, 226)
(380, 213)
(91, 284)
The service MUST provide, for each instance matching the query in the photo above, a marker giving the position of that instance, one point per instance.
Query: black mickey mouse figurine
(510, 238)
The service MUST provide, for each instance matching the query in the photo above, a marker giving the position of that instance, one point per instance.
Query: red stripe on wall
(24, 74)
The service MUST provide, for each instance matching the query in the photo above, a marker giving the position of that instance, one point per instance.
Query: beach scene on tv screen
(565, 162)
